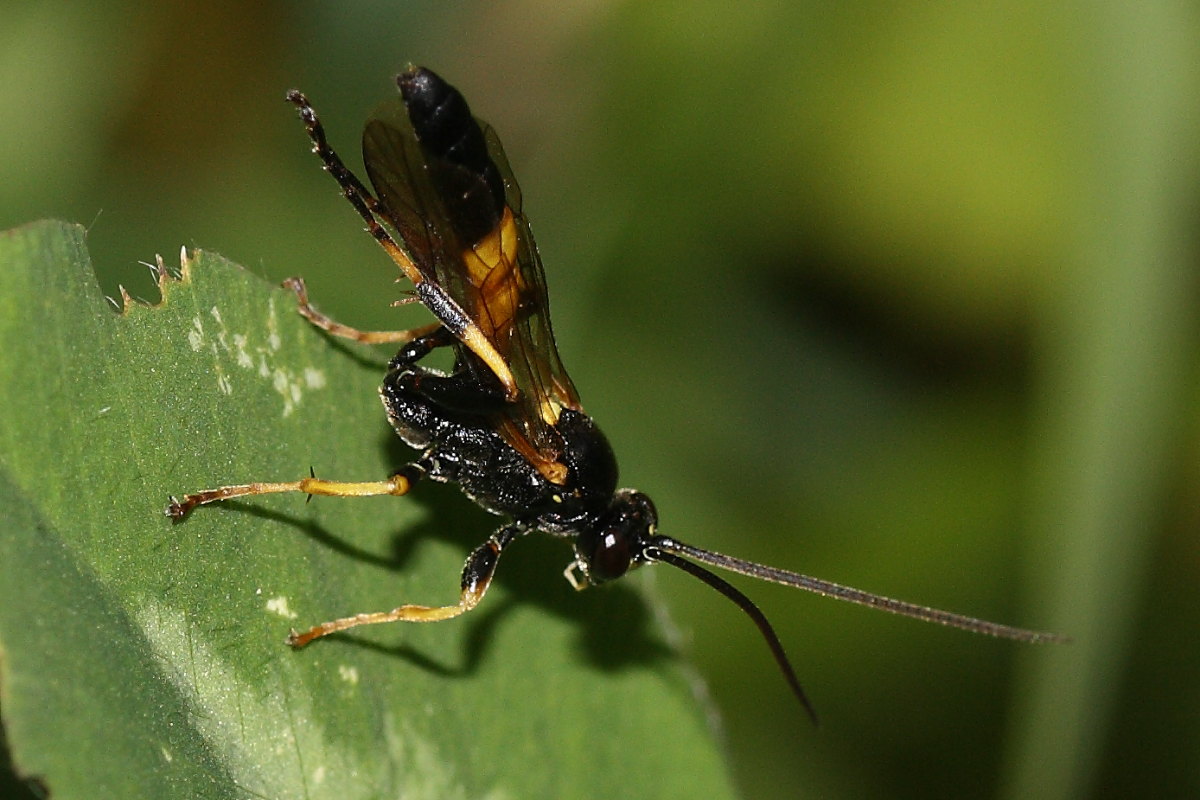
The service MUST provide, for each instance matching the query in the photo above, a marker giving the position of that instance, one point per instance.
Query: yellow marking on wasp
(481, 346)
(472, 336)
(497, 249)
(492, 267)
(550, 409)
(553, 472)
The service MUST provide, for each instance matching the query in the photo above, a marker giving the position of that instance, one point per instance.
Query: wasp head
(616, 541)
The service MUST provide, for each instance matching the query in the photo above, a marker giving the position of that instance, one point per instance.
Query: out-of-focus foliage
(901, 296)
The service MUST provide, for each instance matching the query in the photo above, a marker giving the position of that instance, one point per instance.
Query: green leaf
(144, 659)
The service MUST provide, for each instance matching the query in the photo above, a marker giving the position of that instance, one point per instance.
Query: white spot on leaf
(196, 334)
(279, 605)
(273, 340)
(314, 378)
(281, 381)
(243, 358)
(253, 350)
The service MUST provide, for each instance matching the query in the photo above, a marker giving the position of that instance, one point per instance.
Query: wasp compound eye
(618, 540)
(610, 556)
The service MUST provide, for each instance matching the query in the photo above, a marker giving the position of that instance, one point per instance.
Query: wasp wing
(531, 350)
(408, 200)
(461, 222)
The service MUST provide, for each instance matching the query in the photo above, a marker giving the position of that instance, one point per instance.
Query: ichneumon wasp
(505, 423)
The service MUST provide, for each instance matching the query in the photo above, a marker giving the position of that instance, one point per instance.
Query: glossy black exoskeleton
(458, 446)
(505, 423)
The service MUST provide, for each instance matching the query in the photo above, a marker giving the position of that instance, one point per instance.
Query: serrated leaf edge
(163, 279)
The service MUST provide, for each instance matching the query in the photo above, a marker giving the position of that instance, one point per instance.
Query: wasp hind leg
(476, 577)
(398, 484)
(335, 328)
(363, 201)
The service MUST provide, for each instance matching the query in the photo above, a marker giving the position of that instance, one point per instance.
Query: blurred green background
(902, 296)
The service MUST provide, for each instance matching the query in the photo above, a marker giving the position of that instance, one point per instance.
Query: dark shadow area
(316, 532)
(614, 624)
(12, 785)
(481, 628)
(374, 358)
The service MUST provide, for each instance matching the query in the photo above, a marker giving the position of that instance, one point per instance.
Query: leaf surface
(144, 659)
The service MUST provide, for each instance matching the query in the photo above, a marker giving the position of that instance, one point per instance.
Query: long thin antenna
(747, 605)
(666, 545)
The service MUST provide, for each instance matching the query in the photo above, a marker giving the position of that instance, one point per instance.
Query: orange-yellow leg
(345, 331)
(476, 577)
(398, 484)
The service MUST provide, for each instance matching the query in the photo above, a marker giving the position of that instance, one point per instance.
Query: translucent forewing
(497, 280)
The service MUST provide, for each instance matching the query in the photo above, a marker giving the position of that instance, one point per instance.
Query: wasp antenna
(659, 552)
(666, 544)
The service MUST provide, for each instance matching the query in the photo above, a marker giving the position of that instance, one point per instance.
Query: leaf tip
(185, 264)
(126, 299)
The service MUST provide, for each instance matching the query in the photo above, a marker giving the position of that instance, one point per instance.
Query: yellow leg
(345, 331)
(398, 484)
(476, 577)
(405, 613)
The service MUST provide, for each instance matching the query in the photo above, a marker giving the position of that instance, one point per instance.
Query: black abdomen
(471, 188)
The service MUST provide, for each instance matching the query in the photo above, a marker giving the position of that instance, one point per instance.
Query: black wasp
(505, 423)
